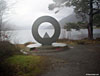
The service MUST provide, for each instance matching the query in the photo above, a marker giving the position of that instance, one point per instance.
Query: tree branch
(97, 12)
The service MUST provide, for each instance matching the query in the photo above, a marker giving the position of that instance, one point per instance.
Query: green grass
(14, 63)
(27, 65)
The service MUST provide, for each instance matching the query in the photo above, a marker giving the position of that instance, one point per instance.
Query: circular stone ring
(38, 22)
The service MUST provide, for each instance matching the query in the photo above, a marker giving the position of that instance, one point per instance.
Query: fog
(23, 13)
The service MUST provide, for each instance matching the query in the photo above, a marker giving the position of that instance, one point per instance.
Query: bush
(27, 43)
(7, 49)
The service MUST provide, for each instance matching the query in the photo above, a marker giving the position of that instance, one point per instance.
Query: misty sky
(25, 12)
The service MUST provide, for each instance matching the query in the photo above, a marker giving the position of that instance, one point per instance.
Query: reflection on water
(23, 36)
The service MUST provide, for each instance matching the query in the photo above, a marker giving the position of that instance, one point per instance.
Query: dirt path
(82, 60)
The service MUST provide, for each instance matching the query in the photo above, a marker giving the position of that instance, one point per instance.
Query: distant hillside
(70, 18)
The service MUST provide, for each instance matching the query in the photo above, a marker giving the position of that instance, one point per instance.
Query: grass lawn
(27, 65)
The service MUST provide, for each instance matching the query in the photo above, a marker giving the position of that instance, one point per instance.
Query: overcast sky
(25, 12)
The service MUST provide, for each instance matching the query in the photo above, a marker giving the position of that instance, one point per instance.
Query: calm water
(23, 36)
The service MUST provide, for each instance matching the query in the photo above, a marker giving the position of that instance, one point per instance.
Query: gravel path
(81, 60)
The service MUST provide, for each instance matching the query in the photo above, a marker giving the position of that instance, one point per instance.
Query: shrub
(7, 49)
(27, 43)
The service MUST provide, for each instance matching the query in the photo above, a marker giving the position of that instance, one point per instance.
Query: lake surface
(23, 36)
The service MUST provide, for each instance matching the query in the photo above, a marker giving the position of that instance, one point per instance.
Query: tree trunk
(90, 26)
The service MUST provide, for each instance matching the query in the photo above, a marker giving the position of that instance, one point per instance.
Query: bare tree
(2, 10)
(5, 6)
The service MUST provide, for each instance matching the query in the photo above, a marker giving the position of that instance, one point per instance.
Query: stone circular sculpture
(38, 22)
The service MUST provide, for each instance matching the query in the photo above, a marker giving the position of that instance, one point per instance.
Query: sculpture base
(55, 47)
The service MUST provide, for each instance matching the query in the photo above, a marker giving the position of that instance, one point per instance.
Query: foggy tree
(83, 8)
(96, 20)
(2, 10)
(77, 26)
